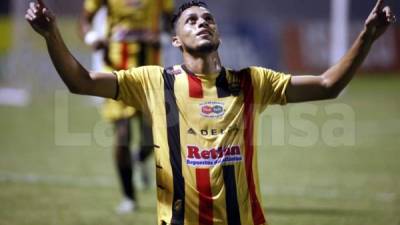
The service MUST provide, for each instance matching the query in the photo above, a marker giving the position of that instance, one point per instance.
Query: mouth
(204, 32)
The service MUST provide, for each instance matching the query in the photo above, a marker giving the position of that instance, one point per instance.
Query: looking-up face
(196, 31)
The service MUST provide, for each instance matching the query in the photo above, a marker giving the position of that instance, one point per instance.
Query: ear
(176, 42)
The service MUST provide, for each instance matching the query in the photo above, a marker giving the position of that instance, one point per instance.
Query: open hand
(379, 19)
(40, 18)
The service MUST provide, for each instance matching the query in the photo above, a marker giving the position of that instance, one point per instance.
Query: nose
(202, 22)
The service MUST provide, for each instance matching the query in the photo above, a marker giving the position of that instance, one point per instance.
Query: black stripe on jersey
(174, 145)
(232, 206)
(222, 85)
(142, 54)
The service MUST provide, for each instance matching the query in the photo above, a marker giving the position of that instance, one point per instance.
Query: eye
(209, 19)
(191, 20)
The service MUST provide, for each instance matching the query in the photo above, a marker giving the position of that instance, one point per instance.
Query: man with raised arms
(201, 95)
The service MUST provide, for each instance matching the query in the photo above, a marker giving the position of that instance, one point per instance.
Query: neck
(202, 64)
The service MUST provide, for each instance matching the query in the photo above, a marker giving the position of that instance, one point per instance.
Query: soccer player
(132, 39)
(205, 116)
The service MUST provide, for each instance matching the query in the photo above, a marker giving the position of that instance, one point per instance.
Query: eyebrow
(195, 14)
(207, 14)
(190, 15)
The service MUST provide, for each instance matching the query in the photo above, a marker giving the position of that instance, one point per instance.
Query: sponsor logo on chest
(211, 157)
(212, 109)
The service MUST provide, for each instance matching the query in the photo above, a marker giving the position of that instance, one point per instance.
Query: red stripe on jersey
(205, 197)
(195, 88)
(258, 216)
(124, 56)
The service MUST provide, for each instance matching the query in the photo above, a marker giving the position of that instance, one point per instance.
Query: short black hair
(183, 7)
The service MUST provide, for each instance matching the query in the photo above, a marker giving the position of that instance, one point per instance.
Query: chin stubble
(206, 48)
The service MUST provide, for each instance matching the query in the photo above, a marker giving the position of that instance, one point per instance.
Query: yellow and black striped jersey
(131, 19)
(205, 131)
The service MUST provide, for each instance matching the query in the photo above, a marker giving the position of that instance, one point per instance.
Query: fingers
(31, 13)
(48, 14)
(390, 17)
(28, 17)
(37, 12)
(34, 7)
(379, 5)
(41, 3)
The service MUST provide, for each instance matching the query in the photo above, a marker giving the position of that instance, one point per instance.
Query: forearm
(74, 75)
(338, 76)
(334, 80)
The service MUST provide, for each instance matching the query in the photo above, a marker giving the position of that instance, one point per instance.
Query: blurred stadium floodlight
(338, 29)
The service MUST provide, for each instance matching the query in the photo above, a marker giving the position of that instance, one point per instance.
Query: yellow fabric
(128, 22)
(115, 110)
(132, 14)
(143, 88)
(135, 54)
(138, 53)
(271, 86)
(92, 6)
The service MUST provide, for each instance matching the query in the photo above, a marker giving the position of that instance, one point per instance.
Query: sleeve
(270, 86)
(136, 84)
(168, 6)
(92, 6)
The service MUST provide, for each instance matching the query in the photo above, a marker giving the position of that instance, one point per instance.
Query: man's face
(196, 31)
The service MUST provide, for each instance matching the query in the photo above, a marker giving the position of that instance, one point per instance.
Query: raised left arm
(329, 84)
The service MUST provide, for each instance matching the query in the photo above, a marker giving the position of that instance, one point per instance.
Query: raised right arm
(75, 76)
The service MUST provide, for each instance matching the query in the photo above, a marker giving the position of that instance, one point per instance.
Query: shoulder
(254, 71)
(260, 70)
(260, 75)
(266, 73)
(143, 74)
(248, 71)
(146, 69)
(243, 74)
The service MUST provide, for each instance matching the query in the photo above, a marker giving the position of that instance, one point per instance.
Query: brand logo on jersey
(210, 157)
(212, 109)
(191, 131)
(214, 131)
